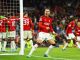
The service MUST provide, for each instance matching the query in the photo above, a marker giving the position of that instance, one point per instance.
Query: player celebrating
(70, 32)
(3, 33)
(0, 34)
(12, 31)
(45, 28)
(27, 27)
(77, 32)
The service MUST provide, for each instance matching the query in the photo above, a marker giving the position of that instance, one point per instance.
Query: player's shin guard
(33, 49)
(49, 49)
(0, 46)
(4, 46)
(66, 44)
(78, 45)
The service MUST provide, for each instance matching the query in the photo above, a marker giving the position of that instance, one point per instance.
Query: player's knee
(52, 43)
(38, 42)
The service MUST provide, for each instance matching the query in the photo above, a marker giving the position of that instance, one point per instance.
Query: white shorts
(3, 35)
(71, 36)
(27, 34)
(78, 38)
(44, 36)
(12, 34)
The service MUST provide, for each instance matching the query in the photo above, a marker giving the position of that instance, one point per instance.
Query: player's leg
(25, 37)
(0, 41)
(30, 38)
(39, 40)
(13, 45)
(64, 39)
(35, 47)
(52, 44)
(4, 42)
(0, 44)
(70, 36)
(78, 41)
(66, 44)
(17, 41)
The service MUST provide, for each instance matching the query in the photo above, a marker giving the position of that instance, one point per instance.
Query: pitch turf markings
(57, 58)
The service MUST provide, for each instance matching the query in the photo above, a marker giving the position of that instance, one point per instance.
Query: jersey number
(26, 22)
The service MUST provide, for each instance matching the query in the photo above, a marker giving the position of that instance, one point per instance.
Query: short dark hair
(46, 8)
(26, 13)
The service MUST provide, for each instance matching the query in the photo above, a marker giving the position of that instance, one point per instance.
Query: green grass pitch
(55, 54)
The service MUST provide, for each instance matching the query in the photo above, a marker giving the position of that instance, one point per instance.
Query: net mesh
(9, 7)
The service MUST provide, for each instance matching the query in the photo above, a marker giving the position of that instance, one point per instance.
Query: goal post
(21, 28)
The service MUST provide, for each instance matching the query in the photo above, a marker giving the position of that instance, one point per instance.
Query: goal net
(10, 45)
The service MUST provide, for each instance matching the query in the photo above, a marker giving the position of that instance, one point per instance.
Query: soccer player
(70, 32)
(45, 28)
(12, 31)
(77, 33)
(3, 33)
(27, 27)
(0, 34)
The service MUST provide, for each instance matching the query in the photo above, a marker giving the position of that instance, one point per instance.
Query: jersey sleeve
(31, 24)
(76, 31)
(51, 28)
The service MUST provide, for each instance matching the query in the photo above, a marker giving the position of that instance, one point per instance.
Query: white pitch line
(9, 54)
(52, 57)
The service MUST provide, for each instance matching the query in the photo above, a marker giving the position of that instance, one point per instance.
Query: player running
(45, 30)
(77, 33)
(70, 31)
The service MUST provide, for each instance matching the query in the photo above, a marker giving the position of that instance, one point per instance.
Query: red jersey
(70, 27)
(46, 22)
(77, 31)
(2, 25)
(27, 23)
(12, 24)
